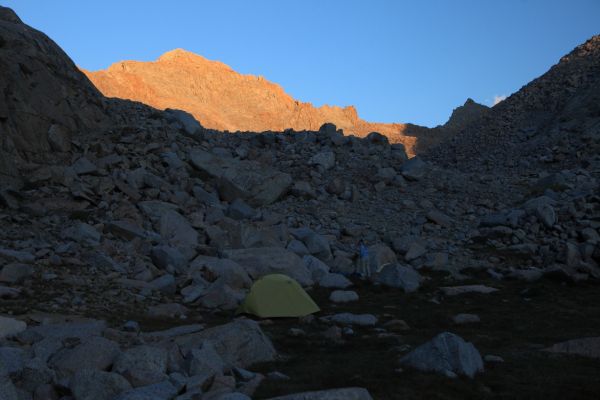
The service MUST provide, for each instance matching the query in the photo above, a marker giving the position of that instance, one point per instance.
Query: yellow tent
(277, 295)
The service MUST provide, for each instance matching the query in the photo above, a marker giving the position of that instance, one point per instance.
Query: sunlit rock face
(223, 99)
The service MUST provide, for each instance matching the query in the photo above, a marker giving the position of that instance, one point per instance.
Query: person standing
(363, 260)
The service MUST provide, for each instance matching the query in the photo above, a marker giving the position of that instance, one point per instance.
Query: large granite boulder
(262, 261)
(255, 183)
(447, 354)
(240, 343)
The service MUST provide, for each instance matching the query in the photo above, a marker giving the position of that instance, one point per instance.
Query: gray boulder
(257, 184)
(325, 159)
(271, 260)
(83, 233)
(178, 231)
(97, 385)
(447, 354)
(142, 365)
(239, 210)
(15, 272)
(10, 327)
(154, 209)
(240, 343)
(205, 360)
(220, 295)
(380, 255)
(343, 296)
(212, 268)
(334, 281)
(318, 246)
(164, 256)
(399, 276)
(189, 124)
(317, 268)
(96, 353)
(12, 360)
(458, 290)
(298, 247)
(586, 347)
(414, 169)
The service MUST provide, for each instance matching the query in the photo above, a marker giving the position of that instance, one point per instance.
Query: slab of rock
(178, 231)
(142, 365)
(316, 244)
(8, 292)
(262, 261)
(343, 296)
(333, 280)
(257, 184)
(585, 347)
(164, 256)
(297, 247)
(352, 319)
(414, 169)
(439, 218)
(154, 209)
(213, 268)
(380, 255)
(95, 353)
(317, 268)
(10, 327)
(220, 295)
(15, 255)
(83, 233)
(240, 343)
(97, 385)
(84, 166)
(399, 276)
(325, 159)
(12, 360)
(126, 230)
(457, 290)
(352, 393)
(15, 272)
(447, 354)
(414, 251)
(204, 359)
(190, 125)
(461, 319)
(546, 214)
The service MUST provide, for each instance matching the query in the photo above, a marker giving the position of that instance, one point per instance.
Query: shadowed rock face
(560, 108)
(44, 100)
(223, 99)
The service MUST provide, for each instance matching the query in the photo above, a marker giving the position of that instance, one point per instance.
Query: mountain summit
(220, 98)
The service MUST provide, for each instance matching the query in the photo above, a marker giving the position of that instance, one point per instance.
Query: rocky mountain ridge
(223, 99)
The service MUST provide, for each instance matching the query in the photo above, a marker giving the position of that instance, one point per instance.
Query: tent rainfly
(277, 295)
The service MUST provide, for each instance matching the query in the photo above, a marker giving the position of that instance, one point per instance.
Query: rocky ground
(124, 257)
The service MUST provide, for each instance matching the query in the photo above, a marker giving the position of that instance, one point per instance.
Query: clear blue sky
(396, 61)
